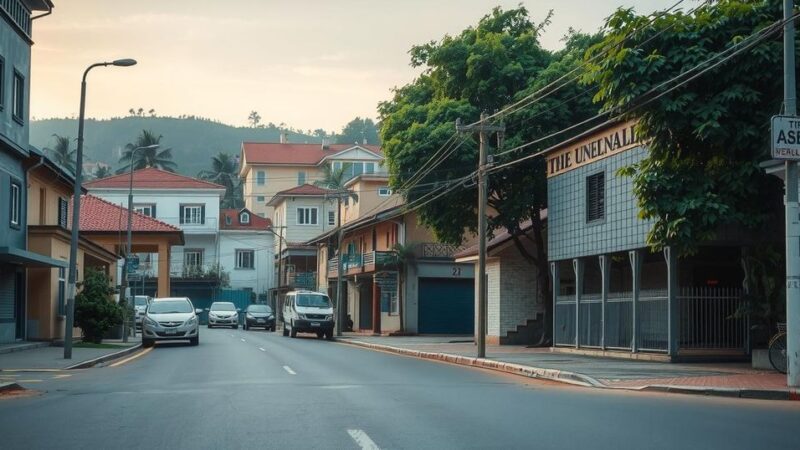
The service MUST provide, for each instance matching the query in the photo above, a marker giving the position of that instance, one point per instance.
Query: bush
(95, 311)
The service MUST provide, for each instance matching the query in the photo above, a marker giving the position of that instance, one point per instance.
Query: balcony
(302, 280)
(357, 263)
(208, 272)
(436, 250)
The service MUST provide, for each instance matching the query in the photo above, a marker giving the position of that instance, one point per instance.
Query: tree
(225, 171)
(154, 157)
(483, 69)
(61, 153)
(152, 112)
(95, 311)
(140, 112)
(102, 171)
(707, 137)
(254, 118)
(357, 131)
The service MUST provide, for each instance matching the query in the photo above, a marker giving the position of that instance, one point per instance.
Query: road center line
(262, 349)
(289, 369)
(363, 441)
(243, 340)
(131, 358)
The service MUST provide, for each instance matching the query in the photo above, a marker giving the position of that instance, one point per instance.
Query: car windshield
(259, 309)
(313, 301)
(170, 307)
(223, 307)
(140, 301)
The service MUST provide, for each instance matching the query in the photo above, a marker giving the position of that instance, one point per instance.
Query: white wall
(261, 277)
(286, 216)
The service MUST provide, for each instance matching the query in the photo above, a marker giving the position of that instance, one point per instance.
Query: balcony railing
(362, 262)
(195, 271)
(19, 14)
(436, 250)
(302, 280)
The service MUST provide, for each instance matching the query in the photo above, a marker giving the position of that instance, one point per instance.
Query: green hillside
(193, 141)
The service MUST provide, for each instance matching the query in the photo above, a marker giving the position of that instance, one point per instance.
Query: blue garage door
(446, 306)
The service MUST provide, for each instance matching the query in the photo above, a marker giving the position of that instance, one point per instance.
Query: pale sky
(308, 63)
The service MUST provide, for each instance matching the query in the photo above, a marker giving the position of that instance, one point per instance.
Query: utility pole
(483, 128)
(339, 324)
(792, 210)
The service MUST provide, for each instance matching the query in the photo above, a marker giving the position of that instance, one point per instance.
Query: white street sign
(785, 137)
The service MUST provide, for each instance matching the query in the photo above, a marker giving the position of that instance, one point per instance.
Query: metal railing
(302, 280)
(653, 318)
(709, 319)
(436, 250)
(19, 14)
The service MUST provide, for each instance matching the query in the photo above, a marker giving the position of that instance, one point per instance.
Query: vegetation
(95, 310)
(254, 119)
(102, 172)
(146, 157)
(225, 171)
(358, 130)
(62, 154)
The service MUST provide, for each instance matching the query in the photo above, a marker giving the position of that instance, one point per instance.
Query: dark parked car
(259, 316)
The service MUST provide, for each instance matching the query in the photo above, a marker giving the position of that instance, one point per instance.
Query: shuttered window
(63, 207)
(595, 197)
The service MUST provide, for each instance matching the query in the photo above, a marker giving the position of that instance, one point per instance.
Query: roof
(380, 216)
(382, 178)
(500, 239)
(98, 215)
(305, 190)
(299, 154)
(257, 223)
(152, 178)
(47, 162)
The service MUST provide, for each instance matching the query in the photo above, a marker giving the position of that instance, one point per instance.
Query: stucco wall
(261, 277)
(277, 178)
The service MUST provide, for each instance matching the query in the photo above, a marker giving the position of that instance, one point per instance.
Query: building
(515, 301)
(246, 246)
(269, 168)
(611, 294)
(15, 74)
(189, 204)
(50, 189)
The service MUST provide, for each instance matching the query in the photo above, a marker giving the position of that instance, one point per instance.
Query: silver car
(170, 319)
(223, 314)
(140, 303)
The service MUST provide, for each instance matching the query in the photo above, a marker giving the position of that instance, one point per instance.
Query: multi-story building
(270, 168)
(15, 75)
(246, 250)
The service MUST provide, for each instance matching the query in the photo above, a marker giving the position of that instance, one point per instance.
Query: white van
(308, 312)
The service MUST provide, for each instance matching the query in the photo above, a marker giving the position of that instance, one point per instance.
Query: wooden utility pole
(484, 129)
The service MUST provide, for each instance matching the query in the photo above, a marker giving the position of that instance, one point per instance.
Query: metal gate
(446, 306)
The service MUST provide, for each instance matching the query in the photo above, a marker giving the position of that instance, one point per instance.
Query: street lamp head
(127, 62)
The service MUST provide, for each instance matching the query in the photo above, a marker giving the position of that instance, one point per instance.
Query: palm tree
(404, 257)
(154, 157)
(102, 171)
(225, 171)
(61, 153)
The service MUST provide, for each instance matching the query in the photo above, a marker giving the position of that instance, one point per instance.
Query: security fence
(709, 319)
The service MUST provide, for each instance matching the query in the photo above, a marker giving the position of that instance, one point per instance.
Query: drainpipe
(49, 11)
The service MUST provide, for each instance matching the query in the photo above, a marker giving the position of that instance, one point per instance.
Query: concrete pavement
(256, 389)
(52, 358)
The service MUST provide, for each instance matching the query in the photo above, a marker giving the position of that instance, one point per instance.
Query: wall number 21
(456, 271)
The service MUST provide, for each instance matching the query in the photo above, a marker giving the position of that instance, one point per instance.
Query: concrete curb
(105, 358)
(577, 379)
(24, 347)
(4, 387)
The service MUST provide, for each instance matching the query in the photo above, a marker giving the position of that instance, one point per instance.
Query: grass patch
(93, 345)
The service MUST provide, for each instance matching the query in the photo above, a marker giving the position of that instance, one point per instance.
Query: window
(384, 191)
(307, 216)
(16, 204)
(331, 217)
(228, 220)
(260, 198)
(148, 209)
(301, 178)
(261, 178)
(244, 218)
(61, 303)
(193, 258)
(369, 167)
(394, 305)
(245, 259)
(595, 197)
(18, 98)
(353, 168)
(193, 214)
(63, 210)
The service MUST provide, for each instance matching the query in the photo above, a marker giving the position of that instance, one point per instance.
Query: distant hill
(193, 141)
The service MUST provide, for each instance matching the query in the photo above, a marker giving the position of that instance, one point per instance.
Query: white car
(170, 319)
(140, 303)
(223, 314)
(308, 312)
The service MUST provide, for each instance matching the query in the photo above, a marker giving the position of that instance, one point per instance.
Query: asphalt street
(257, 389)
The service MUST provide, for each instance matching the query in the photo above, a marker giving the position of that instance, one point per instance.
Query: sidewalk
(52, 358)
(724, 379)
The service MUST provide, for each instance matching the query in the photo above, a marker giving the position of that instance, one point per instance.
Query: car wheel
(329, 335)
(293, 332)
(320, 334)
(285, 330)
(244, 326)
(235, 327)
(209, 326)
(147, 343)
(195, 340)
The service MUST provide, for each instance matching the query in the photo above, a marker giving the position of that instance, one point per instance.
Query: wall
(53, 190)
(259, 279)
(16, 52)
(368, 199)
(303, 233)
(621, 229)
(278, 178)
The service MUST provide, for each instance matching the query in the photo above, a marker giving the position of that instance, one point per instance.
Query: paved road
(260, 390)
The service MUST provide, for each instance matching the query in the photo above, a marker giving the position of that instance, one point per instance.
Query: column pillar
(635, 257)
(605, 274)
(376, 306)
(163, 270)
(673, 308)
(556, 288)
(577, 266)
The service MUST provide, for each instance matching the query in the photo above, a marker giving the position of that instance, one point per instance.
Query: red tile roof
(99, 215)
(256, 222)
(152, 178)
(289, 153)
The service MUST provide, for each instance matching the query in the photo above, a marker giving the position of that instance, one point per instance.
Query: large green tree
(707, 137)
(62, 153)
(225, 171)
(357, 131)
(484, 68)
(152, 157)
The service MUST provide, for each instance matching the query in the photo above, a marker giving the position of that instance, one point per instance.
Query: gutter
(49, 11)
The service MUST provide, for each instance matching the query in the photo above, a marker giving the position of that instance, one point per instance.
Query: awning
(12, 255)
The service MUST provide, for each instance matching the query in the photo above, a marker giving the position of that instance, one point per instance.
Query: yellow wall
(278, 178)
(368, 199)
(43, 178)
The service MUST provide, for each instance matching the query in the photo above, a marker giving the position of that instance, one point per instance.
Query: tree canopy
(357, 131)
(62, 153)
(225, 171)
(150, 157)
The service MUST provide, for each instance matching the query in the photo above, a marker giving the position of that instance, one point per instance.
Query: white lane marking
(62, 376)
(262, 349)
(363, 440)
(243, 340)
(289, 369)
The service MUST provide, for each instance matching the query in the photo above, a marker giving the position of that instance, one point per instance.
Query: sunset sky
(308, 63)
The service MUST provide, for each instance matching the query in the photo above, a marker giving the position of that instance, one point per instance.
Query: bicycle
(777, 349)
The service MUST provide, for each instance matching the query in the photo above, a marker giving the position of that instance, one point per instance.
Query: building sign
(593, 148)
(785, 141)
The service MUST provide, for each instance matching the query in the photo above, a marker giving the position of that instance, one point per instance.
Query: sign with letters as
(785, 137)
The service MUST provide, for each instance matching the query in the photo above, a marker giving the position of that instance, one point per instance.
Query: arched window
(244, 218)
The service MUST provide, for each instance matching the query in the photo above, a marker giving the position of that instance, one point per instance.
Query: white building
(246, 250)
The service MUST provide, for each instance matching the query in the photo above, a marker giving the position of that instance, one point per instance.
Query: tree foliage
(707, 137)
(225, 171)
(95, 311)
(62, 153)
(357, 131)
(151, 157)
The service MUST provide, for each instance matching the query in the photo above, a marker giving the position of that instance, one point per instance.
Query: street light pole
(124, 284)
(76, 208)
